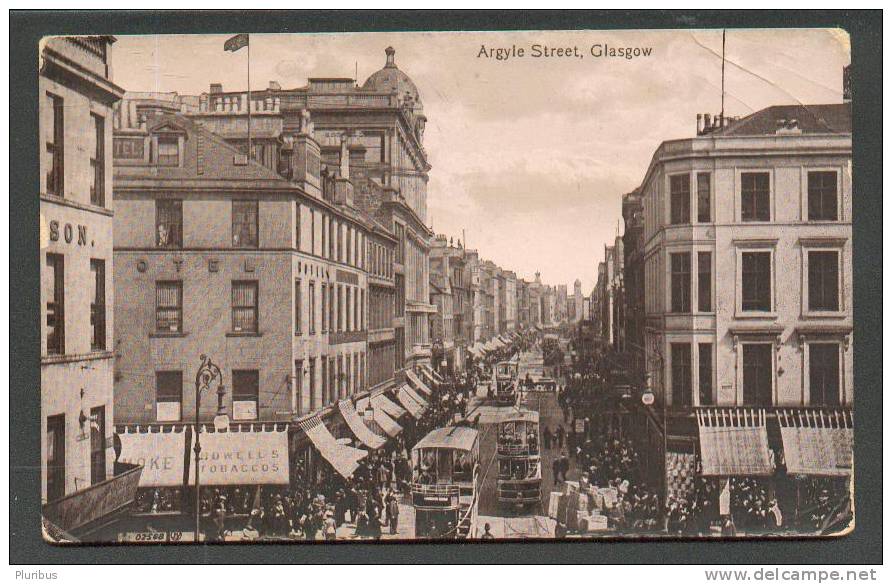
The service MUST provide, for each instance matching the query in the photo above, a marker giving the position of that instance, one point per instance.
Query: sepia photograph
(439, 286)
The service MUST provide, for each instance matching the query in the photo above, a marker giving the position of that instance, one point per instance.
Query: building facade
(77, 341)
(378, 129)
(748, 267)
(221, 256)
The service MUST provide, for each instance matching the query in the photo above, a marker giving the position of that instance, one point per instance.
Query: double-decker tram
(506, 382)
(520, 464)
(444, 483)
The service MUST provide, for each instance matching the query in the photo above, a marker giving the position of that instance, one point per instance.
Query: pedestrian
(559, 434)
(329, 527)
(556, 470)
(393, 512)
(565, 465)
(546, 438)
(486, 532)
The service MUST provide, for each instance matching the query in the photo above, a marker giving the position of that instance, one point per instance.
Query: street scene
(443, 286)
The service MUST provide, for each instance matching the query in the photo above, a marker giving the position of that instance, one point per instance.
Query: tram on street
(506, 382)
(520, 463)
(444, 483)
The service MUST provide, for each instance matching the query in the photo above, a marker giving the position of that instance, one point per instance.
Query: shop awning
(394, 410)
(415, 395)
(427, 376)
(246, 454)
(343, 459)
(817, 442)
(380, 417)
(432, 373)
(734, 442)
(419, 385)
(358, 427)
(414, 408)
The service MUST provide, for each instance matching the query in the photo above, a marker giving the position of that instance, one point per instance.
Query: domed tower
(390, 79)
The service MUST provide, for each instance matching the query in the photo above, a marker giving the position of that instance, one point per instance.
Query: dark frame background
(863, 546)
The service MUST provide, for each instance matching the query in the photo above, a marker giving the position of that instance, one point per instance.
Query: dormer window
(168, 151)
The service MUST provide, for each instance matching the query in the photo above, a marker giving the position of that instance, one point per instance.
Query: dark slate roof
(834, 118)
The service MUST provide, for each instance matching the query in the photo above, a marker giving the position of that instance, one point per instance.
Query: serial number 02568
(153, 536)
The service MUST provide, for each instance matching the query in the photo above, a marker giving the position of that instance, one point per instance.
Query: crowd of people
(321, 505)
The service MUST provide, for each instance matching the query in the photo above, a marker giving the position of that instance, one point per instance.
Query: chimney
(216, 88)
(707, 122)
(699, 120)
(274, 86)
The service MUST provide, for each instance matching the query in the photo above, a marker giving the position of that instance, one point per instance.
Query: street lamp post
(206, 374)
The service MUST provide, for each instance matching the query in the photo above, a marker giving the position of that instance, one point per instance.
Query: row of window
(55, 304)
(342, 376)
(382, 359)
(340, 242)
(823, 271)
(343, 308)
(55, 149)
(380, 260)
(381, 303)
(755, 197)
(758, 374)
(55, 452)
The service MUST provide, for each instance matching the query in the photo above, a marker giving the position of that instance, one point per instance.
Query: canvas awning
(734, 442)
(394, 410)
(419, 385)
(380, 417)
(428, 375)
(432, 373)
(414, 408)
(344, 459)
(817, 442)
(246, 454)
(358, 427)
(415, 396)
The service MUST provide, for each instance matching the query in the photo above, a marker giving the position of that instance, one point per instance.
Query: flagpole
(722, 115)
(249, 97)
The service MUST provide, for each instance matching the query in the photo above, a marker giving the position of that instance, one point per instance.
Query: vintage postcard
(482, 286)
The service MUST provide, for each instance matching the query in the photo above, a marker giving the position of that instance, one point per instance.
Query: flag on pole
(236, 42)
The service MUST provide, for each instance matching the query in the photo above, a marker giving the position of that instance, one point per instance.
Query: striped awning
(432, 373)
(415, 395)
(380, 417)
(358, 427)
(414, 408)
(344, 459)
(426, 374)
(393, 409)
(419, 385)
(734, 442)
(817, 442)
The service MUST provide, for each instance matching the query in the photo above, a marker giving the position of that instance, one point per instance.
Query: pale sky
(530, 156)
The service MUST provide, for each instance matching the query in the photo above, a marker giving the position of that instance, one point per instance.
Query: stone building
(77, 341)
(633, 281)
(378, 128)
(220, 255)
(577, 304)
(748, 269)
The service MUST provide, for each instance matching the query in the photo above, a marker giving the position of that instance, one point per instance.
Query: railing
(435, 490)
(516, 450)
